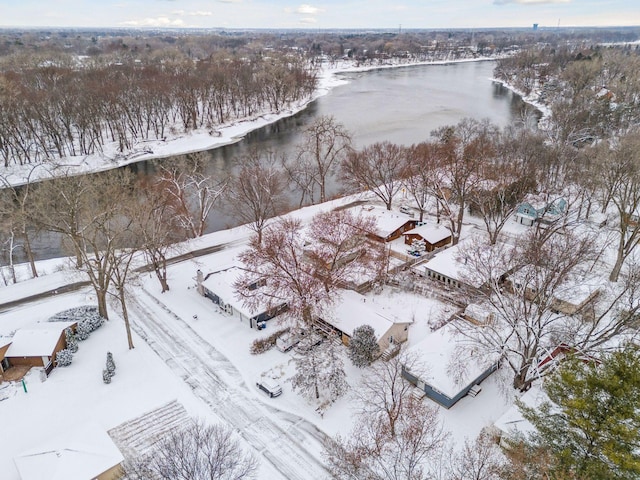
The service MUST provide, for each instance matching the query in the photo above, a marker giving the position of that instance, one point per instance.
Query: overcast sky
(318, 14)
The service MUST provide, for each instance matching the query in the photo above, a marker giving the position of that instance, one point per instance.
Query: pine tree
(363, 346)
(591, 425)
(64, 358)
(111, 366)
(72, 342)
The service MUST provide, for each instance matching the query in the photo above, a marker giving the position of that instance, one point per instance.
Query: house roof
(38, 340)
(440, 364)
(81, 454)
(387, 221)
(354, 310)
(432, 233)
(512, 422)
(221, 283)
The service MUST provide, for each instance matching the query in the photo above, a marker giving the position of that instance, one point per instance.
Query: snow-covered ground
(188, 350)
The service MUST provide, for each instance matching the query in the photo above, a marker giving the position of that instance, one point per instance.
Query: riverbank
(202, 139)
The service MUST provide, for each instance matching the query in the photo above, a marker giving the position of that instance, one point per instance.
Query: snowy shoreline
(197, 140)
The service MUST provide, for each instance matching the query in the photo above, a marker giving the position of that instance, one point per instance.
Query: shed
(37, 345)
(86, 453)
(353, 310)
(433, 235)
(439, 372)
(219, 288)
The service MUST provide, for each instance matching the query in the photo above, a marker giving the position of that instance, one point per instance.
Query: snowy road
(289, 443)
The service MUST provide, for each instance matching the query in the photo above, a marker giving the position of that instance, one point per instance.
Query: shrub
(64, 358)
(262, 345)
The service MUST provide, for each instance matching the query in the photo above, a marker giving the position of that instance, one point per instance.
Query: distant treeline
(52, 111)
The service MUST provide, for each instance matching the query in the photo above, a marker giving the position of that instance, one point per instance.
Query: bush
(106, 376)
(64, 358)
(262, 345)
(86, 316)
(111, 365)
(72, 341)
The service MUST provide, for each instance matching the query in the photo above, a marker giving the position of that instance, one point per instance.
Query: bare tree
(384, 394)
(378, 168)
(528, 321)
(481, 459)
(193, 191)
(195, 452)
(21, 214)
(153, 213)
(463, 150)
(256, 192)
(89, 212)
(326, 143)
(621, 182)
(304, 271)
(394, 437)
(421, 163)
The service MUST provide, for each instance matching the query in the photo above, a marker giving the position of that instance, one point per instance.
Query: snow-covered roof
(438, 363)
(446, 262)
(221, 283)
(38, 340)
(354, 310)
(480, 312)
(432, 233)
(387, 221)
(512, 422)
(82, 454)
(577, 289)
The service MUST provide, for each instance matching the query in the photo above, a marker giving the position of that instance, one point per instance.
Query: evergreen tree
(591, 425)
(106, 376)
(111, 366)
(363, 346)
(72, 341)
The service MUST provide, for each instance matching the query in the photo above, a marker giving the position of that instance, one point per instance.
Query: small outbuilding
(86, 453)
(37, 345)
(440, 371)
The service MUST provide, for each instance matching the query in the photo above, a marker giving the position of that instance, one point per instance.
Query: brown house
(37, 345)
(433, 235)
(389, 224)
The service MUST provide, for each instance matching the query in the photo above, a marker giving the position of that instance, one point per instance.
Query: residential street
(289, 443)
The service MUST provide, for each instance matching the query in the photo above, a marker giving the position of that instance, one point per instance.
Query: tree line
(52, 111)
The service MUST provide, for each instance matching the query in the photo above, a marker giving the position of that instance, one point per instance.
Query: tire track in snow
(214, 379)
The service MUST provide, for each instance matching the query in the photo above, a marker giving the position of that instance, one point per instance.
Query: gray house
(446, 370)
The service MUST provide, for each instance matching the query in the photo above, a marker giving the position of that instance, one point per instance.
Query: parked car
(287, 341)
(270, 387)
